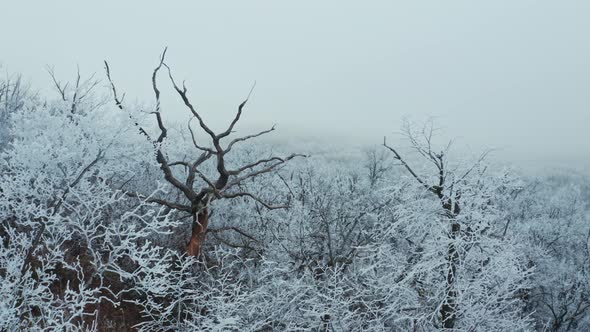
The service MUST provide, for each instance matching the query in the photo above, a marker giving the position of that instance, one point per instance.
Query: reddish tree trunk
(200, 222)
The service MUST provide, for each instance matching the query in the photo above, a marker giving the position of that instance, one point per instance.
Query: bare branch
(179, 163)
(195, 140)
(172, 205)
(267, 169)
(154, 76)
(77, 87)
(163, 131)
(245, 138)
(427, 135)
(169, 176)
(237, 117)
(61, 89)
(398, 157)
(119, 102)
(188, 104)
(479, 160)
(232, 228)
(256, 198)
(263, 161)
(190, 179)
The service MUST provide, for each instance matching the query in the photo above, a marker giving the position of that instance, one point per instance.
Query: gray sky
(513, 75)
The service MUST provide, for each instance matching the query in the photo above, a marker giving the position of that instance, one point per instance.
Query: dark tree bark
(201, 193)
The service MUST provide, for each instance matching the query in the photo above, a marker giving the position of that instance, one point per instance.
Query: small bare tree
(82, 91)
(376, 165)
(13, 93)
(446, 190)
(200, 194)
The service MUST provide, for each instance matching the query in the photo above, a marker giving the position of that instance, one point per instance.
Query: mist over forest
(325, 166)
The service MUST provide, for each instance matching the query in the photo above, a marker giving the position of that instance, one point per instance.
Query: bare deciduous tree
(376, 165)
(81, 92)
(200, 194)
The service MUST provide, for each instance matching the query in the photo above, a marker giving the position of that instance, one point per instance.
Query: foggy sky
(512, 75)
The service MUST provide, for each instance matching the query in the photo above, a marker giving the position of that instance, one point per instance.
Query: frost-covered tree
(67, 234)
(551, 215)
(481, 276)
(97, 202)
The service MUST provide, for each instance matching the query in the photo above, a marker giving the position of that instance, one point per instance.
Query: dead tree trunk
(199, 231)
(196, 188)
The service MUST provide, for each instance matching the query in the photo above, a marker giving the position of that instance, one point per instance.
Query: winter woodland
(115, 217)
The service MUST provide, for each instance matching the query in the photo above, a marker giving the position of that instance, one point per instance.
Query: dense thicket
(376, 241)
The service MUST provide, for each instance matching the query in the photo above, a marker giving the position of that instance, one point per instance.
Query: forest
(117, 217)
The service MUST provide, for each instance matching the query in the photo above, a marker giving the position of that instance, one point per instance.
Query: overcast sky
(513, 75)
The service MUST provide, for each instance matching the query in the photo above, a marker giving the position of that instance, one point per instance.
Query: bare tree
(445, 189)
(82, 91)
(13, 93)
(200, 194)
(376, 165)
